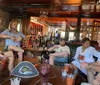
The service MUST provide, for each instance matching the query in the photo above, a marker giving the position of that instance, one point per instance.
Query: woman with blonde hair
(13, 39)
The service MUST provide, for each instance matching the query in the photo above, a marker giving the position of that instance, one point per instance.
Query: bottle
(30, 42)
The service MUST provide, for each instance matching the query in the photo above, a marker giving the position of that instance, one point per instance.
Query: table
(35, 52)
(55, 78)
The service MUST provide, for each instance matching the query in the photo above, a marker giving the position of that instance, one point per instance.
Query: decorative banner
(25, 69)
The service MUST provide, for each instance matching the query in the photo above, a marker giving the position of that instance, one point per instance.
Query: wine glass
(44, 71)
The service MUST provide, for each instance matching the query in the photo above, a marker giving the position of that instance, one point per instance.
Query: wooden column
(78, 28)
(25, 24)
(67, 33)
(78, 24)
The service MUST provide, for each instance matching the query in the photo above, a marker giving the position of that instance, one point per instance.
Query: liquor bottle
(30, 42)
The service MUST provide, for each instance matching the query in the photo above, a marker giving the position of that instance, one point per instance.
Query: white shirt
(62, 49)
(88, 57)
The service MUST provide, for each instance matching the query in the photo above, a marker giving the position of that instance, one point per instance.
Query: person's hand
(98, 77)
(56, 46)
(84, 65)
(2, 57)
(95, 82)
(18, 39)
(12, 38)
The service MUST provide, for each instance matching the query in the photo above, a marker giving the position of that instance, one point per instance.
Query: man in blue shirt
(13, 39)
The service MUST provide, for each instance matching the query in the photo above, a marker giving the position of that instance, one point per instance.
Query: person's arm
(52, 48)
(77, 54)
(7, 37)
(68, 51)
(94, 67)
(96, 53)
(18, 39)
(5, 34)
(22, 36)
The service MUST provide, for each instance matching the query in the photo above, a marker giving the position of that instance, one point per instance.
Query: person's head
(84, 34)
(86, 42)
(62, 41)
(13, 25)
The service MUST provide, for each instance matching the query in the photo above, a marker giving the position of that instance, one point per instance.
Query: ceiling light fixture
(43, 13)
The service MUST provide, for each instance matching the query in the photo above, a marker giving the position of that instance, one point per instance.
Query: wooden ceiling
(71, 2)
(11, 2)
(54, 7)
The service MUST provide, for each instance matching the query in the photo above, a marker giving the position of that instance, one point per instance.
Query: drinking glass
(64, 73)
(69, 79)
(66, 67)
(15, 81)
(85, 83)
(44, 71)
(12, 81)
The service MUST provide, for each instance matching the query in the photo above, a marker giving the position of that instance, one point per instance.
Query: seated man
(7, 56)
(60, 51)
(13, 39)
